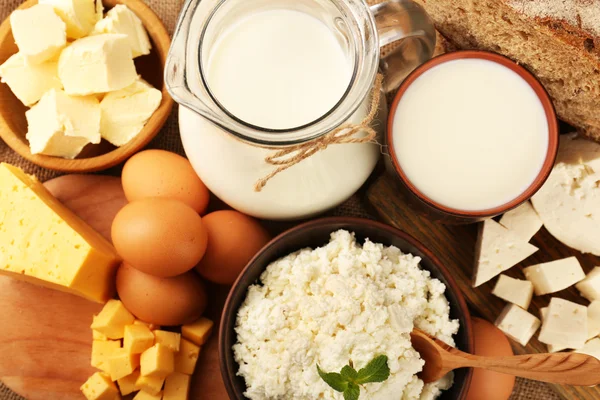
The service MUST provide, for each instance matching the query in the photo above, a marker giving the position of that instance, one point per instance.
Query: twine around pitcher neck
(344, 134)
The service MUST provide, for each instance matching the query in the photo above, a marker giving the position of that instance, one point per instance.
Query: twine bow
(292, 155)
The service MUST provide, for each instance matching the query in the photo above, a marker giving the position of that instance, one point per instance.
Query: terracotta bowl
(94, 157)
(314, 234)
(437, 211)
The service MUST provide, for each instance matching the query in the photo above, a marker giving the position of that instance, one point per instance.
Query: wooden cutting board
(45, 339)
(455, 247)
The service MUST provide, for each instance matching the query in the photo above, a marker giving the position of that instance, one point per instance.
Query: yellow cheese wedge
(43, 242)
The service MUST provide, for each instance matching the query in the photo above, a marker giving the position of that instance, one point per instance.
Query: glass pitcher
(231, 155)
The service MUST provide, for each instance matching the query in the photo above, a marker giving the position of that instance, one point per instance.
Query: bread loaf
(557, 40)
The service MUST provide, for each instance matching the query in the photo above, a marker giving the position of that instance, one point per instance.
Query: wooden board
(45, 339)
(455, 247)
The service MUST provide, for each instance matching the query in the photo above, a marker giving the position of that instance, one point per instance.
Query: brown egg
(161, 237)
(233, 239)
(488, 385)
(159, 173)
(161, 301)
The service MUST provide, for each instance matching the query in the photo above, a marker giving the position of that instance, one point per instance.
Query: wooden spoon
(562, 368)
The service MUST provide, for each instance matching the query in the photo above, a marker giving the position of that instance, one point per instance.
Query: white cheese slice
(593, 312)
(555, 275)
(552, 348)
(29, 82)
(517, 323)
(126, 111)
(79, 15)
(120, 19)
(39, 33)
(514, 291)
(497, 250)
(569, 202)
(523, 221)
(61, 125)
(591, 348)
(565, 324)
(590, 286)
(97, 64)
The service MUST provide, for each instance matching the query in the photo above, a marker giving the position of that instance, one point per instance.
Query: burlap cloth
(168, 139)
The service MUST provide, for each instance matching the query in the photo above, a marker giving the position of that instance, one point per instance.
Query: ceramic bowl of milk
(471, 135)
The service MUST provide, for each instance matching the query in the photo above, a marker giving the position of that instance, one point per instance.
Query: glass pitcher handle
(406, 24)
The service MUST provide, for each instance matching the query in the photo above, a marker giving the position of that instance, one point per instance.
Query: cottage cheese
(340, 302)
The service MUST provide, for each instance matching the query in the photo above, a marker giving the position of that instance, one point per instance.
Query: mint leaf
(334, 380)
(352, 392)
(348, 373)
(375, 371)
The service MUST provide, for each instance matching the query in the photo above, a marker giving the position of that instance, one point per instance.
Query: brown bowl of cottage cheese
(336, 292)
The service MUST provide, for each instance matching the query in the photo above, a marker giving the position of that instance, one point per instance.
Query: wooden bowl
(314, 234)
(94, 157)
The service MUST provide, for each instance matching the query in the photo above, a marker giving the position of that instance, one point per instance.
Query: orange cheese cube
(149, 384)
(157, 361)
(186, 357)
(168, 339)
(147, 396)
(177, 387)
(112, 320)
(198, 332)
(127, 383)
(137, 338)
(101, 352)
(149, 325)
(100, 387)
(121, 363)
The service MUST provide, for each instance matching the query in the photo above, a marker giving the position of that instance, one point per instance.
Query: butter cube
(101, 352)
(514, 291)
(168, 339)
(186, 357)
(120, 19)
(137, 338)
(150, 326)
(522, 221)
(126, 111)
(157, 361)
(565, 324)
(61, 125)
(112, 320)
(80, 16)
(552, 348)
(121, 363)
(150, 384)
(29, 82)
(127, 383)
(96, 64)
(177, 387)
(590, 286)
(147, 396)
(39, 33)
(100, 387)
(517, 323)
(591, 348)
(43, 242)
(554, 276)
(198, 332)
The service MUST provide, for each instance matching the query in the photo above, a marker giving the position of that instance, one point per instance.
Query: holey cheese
(43, 242)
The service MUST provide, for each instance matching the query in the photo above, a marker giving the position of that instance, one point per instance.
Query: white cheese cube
(514, 291)
(552, 348)
(79, 15)
(126, 111)
(590, 286)
(593, 312)
(121, 19)
(39, 33)
(29, 82)
(517, 323)
(497, 250)
(565, 324)
(523, 221)
(97, 64)
(61, 125)
(554, 276)
(591, 348)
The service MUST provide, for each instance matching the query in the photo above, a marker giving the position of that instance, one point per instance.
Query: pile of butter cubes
(75, 69)
(142, 358)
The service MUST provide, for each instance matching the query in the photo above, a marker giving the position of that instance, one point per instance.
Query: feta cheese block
(552, 348)
(43, 242)
(514, 291)
(591, 348)
(565, 324)
(517, 323)
(126, 111)
(569, 202)
(80, 16)
(497, 250)
(97, 64)
(39, 33)
(554, 276)
(29, 82)
(120, 19)
(61, 125)
(523, 221)
(590, 286)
